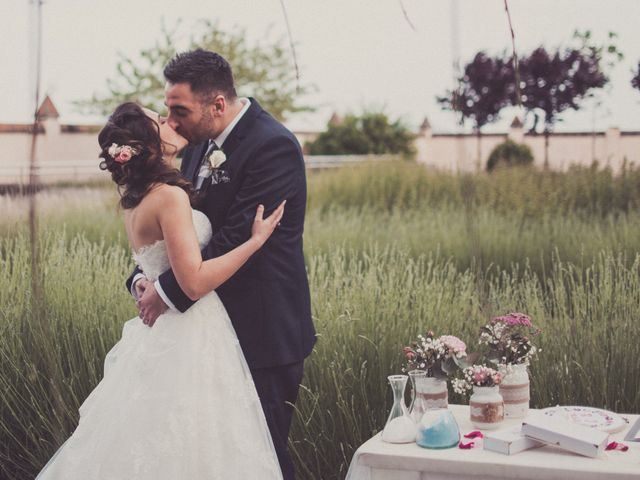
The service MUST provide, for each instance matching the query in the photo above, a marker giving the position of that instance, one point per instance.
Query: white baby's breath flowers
(460, 386)
(114, 150)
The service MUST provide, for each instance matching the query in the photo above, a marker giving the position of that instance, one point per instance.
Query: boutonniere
(216, 159)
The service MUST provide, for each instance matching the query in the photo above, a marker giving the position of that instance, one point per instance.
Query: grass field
(392, 250)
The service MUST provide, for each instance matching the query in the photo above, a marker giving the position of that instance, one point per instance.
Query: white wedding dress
(177, 401)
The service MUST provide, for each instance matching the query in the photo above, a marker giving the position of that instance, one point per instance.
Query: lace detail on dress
(153, 259)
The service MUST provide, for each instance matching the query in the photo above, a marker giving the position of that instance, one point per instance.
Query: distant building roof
(516, 123)
(47, 109)
(425, 125)
(335, 119)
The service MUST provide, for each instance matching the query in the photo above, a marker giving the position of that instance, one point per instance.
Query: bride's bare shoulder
(167, 196)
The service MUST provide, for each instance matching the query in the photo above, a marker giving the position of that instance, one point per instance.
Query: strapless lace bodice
(153, 259)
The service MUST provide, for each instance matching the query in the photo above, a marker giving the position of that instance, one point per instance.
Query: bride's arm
(195, 277)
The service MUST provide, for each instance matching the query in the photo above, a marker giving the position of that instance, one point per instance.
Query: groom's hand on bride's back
(150, 304)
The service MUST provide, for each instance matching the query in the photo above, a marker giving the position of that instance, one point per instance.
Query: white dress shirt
(204, 172)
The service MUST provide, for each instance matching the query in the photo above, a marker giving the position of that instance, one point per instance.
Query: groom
(257, 160)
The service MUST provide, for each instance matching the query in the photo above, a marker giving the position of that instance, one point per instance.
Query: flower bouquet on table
(438, 357)
(508, 339)
(476, 376)
(486, 406)
(430, 361)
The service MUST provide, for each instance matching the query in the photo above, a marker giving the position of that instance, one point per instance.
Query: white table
(378, 460)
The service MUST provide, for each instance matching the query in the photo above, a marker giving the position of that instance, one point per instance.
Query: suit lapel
(242, 128)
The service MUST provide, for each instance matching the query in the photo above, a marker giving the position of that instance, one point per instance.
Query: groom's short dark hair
(207, 73)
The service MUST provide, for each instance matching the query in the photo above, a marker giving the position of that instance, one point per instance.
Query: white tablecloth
(378, 460)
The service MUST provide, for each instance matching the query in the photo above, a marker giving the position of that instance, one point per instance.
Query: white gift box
(567, 435)
(634, 432)
(509, 441)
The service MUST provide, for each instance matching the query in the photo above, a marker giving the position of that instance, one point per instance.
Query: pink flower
(482, 376)
(515, 319)
(122, 153)
(453, 343)
(479, 376)
(124, 156)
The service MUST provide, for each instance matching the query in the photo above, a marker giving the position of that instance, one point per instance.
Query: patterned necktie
(212, 148)
(204, 176)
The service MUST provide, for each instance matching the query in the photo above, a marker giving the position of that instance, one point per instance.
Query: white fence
(51, 172)
(332, 161)
(80, 171)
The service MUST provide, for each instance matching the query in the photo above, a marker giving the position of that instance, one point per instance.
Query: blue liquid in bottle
(438, 429)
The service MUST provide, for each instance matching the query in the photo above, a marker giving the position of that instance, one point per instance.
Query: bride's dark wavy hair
(129, 125)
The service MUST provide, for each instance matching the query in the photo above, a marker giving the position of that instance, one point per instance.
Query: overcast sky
(358, 53)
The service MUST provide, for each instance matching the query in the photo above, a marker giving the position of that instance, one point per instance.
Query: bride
(177, 401)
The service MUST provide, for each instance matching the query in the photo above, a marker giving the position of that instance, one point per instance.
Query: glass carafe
(399, 427)
(418, 405)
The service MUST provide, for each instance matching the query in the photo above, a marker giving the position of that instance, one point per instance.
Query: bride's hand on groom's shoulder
(264, 227)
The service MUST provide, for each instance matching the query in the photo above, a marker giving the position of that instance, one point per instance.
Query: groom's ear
(219, 104)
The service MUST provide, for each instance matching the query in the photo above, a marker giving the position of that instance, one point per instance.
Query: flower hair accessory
(122, 153)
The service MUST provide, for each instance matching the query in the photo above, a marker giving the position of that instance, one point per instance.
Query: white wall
(459, 152)
(65, 155)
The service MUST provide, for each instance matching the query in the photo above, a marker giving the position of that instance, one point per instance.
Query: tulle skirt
(176, 402)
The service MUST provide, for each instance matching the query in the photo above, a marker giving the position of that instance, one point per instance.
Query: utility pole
(455, 67)
(36, 283)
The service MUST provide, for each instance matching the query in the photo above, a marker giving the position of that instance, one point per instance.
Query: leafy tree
(262, 70)
(552, 82)
(372, 132)
(510, 154)
(483, 92)
(635, 80)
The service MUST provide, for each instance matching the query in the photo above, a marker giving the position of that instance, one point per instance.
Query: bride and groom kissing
(202, 383)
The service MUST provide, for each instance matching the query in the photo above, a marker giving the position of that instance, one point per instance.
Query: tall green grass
(366, 309)
(392, 250)
(391, 186)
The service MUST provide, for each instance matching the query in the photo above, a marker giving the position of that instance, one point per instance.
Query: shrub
(371, 133)
(510, 154)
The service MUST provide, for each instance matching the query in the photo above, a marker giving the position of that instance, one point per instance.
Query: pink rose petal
(617, 446)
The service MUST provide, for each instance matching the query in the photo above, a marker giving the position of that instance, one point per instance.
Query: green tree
(263, 71)
(482, 93)
(372, 132)
(555, 81)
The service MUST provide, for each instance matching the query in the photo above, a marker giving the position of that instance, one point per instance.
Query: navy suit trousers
(278, 390)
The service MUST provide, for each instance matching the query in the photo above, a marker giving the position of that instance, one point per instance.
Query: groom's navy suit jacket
(268, 298)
